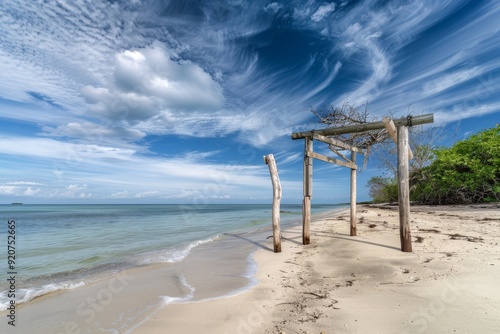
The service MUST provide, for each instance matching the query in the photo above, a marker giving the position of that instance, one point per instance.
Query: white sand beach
(450, 283)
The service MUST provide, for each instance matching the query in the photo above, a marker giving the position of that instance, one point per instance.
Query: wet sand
(120, 301)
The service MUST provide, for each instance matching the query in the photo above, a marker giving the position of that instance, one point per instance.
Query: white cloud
(148, 83)
(273, 7)
(53, 149)
(19, 190)
(69, 192)
(54, 47)
(31, 192)
(104, 76)
(284, 158)
(120, 194)
(8, 190)
(106, 133)
(322, 12)
(450, 80)
(460, 112)
(183, 194)
(105, 172)
(303, 10)
(144, 194)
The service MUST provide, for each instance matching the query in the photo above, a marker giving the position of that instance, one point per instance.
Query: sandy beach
(450, 283)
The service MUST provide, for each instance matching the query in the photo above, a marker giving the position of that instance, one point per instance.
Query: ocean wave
(26, 295)
(251, 271)
(176, 254)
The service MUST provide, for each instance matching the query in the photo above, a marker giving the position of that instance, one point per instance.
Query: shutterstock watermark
(252, 322)
(93, 305)
(421, 319)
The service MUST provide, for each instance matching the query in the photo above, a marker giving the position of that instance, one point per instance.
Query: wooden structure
(392, 126)
(273, 170)
(404, 189)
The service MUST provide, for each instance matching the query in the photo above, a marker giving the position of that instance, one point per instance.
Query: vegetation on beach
(383, 189)
(467, 172)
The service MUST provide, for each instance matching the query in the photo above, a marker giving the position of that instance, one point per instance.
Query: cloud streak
(94, 85)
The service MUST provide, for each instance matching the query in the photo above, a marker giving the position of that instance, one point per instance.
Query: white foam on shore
(26, 295)
(172, 300)
(176, 254)
(166, 300)
(251, 272)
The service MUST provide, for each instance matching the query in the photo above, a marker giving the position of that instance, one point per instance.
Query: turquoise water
(67, 246)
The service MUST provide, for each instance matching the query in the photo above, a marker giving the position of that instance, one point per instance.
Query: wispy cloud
(94, 84)
(273, 7)
(323, 12)
(78, 171)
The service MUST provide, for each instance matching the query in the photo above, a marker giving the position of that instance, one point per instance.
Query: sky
(178, 101)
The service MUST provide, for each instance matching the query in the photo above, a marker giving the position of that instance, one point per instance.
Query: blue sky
(177, 101)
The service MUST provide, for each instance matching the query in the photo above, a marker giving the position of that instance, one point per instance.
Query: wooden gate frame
(403, 151)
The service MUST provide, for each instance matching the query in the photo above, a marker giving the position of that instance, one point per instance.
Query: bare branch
(347, 115)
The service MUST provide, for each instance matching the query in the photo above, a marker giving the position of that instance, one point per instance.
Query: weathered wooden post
(354, 228)
(306, 208)
(273, 170)
(404, 189)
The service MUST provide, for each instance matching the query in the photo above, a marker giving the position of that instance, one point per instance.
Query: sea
(65, 247)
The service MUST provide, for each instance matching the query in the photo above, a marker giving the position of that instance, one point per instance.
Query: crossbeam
(336, 151)
(406, 121)
(332, 160)
(336, 142)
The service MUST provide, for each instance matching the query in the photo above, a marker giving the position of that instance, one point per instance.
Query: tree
(349, 114)
(467, 172)
(383, 189)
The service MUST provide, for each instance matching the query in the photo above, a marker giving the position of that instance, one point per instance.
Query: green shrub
(467, 172)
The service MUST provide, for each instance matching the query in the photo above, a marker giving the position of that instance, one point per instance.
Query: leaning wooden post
(269, 160)
(404, 189)
(354, 228)
(306, 207)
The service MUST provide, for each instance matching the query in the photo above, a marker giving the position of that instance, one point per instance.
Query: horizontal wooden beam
(406, 121)
(332, 160)
(336, 142)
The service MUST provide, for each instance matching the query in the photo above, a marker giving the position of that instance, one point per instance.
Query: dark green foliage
(467, 172)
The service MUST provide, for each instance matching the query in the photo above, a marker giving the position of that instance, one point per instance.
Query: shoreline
(126, 297)
(346, 284)
(89, 270)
